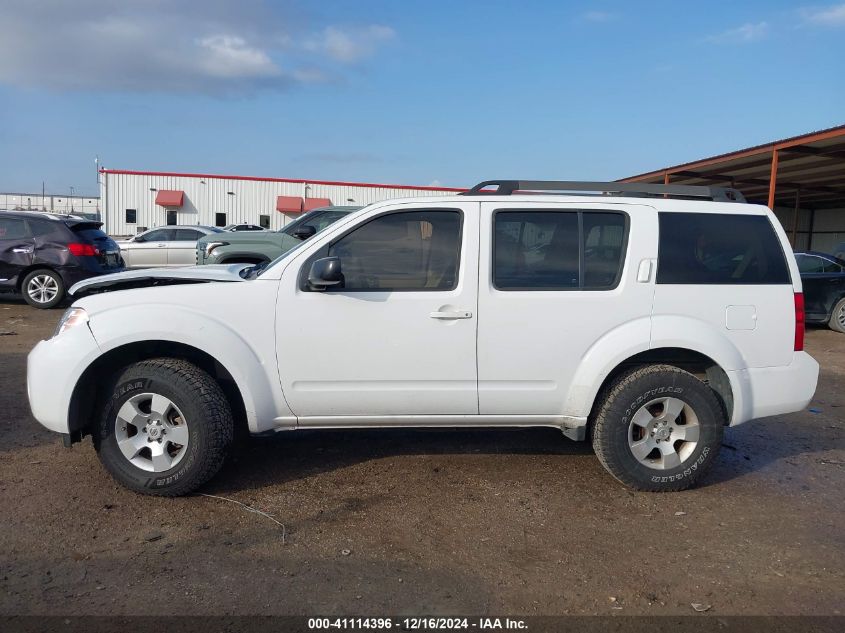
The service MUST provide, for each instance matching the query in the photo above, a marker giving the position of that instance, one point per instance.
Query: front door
(398, 338)
(16, 248)
(150, 250)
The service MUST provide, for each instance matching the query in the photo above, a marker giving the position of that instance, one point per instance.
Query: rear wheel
(43, 288)
(837, 317)
(166, 428)
(658, 429)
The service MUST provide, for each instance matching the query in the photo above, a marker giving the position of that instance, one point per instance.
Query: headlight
(212, 245)
(71, 318)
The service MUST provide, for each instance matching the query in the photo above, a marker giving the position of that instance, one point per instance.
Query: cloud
(827, 16)
(599, 16)
(192, 46)
(751, 32)
(351, 45)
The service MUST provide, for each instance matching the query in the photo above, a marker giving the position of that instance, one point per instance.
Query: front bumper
(53, 369)
(765, 391)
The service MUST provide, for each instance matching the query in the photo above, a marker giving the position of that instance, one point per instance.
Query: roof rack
(634, 189)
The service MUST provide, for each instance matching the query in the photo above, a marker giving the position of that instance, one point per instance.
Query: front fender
(254, 373)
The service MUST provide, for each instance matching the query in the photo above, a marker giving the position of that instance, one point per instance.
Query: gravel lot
(425, 522)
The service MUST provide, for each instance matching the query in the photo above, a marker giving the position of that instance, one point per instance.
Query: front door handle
(24, 249)
(460, 314)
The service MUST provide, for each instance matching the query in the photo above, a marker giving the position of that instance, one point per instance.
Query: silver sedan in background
(164, 246)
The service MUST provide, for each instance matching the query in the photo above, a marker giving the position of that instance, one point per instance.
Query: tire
(43, 288)
(649, 403)
(837, 317)
(151, 399)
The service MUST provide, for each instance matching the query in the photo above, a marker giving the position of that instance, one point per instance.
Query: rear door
(16, 248)
(554, 280)
(182, 250)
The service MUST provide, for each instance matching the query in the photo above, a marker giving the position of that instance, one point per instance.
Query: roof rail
(635, 189)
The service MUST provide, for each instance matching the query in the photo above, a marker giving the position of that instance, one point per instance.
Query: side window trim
(326, 249)
(581, 248)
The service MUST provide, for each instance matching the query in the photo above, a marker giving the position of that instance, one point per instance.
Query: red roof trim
(339, 183)
(170, 198)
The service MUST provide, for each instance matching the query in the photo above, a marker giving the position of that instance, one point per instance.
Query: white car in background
(234, 228)
(164, 246)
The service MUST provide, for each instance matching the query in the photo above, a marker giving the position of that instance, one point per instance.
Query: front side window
(558, 250)
(159, 235)
(415, 250)
(717, 248)
(810, 264)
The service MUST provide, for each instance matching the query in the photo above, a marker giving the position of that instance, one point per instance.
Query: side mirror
(325, 272)
(304, 232)
(138, 238)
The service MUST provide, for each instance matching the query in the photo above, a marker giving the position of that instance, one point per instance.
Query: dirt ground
(425, 522)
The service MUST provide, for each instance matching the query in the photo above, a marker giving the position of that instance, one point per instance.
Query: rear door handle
(461, 314)
(22, 250)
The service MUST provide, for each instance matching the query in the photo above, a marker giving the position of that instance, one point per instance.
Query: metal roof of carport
(806, 170)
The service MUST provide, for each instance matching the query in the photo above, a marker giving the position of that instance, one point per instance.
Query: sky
(407, 92)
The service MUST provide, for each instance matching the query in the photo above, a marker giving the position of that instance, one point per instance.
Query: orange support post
(773, 179)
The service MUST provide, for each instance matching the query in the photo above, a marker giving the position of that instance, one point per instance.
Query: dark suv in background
(42, 254)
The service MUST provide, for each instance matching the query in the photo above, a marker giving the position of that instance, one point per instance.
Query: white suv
(646, 318)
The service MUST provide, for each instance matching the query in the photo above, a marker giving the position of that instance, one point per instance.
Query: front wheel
(166, 428)
(43, 288)
(658, 429)
(837, 317)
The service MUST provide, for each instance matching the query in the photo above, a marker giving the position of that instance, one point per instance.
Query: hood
(160, 277)
(237, 237)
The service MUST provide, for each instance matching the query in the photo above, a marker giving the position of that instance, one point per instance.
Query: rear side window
(709, 248)
(187, 235)
(558, 250)
(12, 229)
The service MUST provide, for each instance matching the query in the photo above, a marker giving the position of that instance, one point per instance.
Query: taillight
(799, 322)
(82, 250)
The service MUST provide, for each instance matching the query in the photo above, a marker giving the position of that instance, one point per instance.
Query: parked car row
(43, 254)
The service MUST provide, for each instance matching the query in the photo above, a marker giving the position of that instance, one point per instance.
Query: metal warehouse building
(133, 201)
(801, 178)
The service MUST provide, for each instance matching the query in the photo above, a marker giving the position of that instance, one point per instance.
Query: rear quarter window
(723, 249)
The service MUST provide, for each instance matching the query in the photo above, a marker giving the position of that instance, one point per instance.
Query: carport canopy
(803, 172)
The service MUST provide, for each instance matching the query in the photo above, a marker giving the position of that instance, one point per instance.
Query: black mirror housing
(304, 232)
(325, 272)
